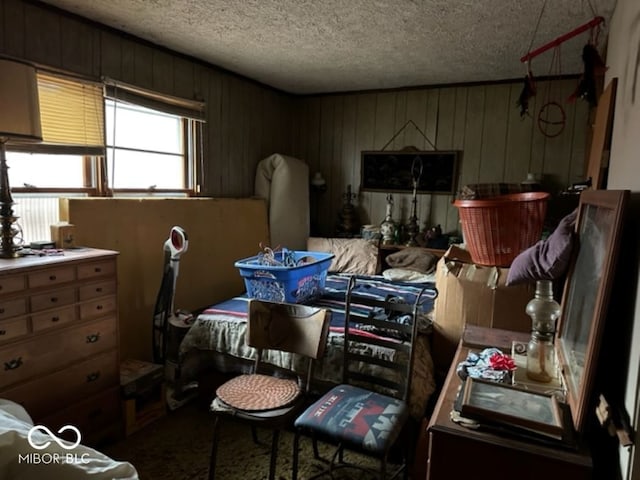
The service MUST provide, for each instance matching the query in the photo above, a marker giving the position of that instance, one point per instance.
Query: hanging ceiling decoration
(551, 118)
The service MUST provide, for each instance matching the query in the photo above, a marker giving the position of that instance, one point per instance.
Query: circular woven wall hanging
(551, 119)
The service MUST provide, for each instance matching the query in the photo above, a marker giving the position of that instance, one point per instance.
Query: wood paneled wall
(246, 121)
(481, 121)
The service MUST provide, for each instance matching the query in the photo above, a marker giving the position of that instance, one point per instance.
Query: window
(152, 140)
(44, 171)
(65, 163)
(147, 149)
(152, 147)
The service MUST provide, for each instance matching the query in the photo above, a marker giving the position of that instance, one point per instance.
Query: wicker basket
(497, 229)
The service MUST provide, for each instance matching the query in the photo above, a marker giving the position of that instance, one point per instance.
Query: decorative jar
(388, 226)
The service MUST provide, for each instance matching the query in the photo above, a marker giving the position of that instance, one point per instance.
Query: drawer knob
(99, 289)
(93, 338)
(93, 376)
(13, 364)
(55, 319)
(1, 310)
(3, 332)
(98, 307)
(54, 299)
(97, 269)
(52, 277)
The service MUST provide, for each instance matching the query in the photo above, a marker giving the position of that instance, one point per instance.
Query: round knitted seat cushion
(258, 392)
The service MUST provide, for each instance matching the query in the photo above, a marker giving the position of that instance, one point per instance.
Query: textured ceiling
(320, 46)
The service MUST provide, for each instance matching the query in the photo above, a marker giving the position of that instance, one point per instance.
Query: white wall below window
(37, 213)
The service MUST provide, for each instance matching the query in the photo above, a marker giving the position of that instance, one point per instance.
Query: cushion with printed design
(359, 417)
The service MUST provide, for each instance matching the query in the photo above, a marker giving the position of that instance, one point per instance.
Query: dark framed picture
(383, 171)
(504, 404)
(587, 292)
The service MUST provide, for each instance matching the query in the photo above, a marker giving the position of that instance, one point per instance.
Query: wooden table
(458, 452)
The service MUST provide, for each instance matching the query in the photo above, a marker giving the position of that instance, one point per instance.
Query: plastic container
(286, 284)
(497, 229)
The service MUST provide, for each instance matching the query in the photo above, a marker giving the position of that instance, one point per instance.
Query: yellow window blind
(72, 116)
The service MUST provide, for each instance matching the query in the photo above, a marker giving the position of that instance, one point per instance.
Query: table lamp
(20, 123)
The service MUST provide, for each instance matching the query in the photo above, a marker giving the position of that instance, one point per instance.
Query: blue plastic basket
(295, 284)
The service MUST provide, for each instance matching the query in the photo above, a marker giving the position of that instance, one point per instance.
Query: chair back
(287, 327)
(379, 339)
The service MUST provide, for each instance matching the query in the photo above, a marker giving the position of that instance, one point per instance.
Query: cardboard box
(476, 295)
(63, 234)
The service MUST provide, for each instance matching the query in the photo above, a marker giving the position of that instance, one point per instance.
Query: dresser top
(29, 261)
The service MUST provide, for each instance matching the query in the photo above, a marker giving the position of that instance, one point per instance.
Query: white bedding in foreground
(19, 460)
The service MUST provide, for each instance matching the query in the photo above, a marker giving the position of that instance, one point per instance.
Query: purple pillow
(548, 259)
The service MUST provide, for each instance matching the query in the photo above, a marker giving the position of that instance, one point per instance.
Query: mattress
(216, 338)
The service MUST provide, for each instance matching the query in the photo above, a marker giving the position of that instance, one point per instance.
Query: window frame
(94, 168)
(94, 158)
(190, 151)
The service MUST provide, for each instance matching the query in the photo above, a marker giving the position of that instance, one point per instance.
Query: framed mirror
(586, 294)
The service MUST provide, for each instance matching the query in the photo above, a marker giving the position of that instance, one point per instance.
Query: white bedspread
(19, 460)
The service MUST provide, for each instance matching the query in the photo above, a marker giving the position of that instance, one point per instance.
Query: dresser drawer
(48, 352)
(53, 318)
(97, 269)
(56, 391)
(52, 277)
(98, 307)
(11, 284)
(56, 298)
(99, 289)
(14, 328)
(13, 308)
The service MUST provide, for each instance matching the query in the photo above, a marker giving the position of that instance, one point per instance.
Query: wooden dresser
(456, 451)
(59, 339)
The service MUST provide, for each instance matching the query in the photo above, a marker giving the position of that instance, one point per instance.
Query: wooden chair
(368, 411)
(271, 397)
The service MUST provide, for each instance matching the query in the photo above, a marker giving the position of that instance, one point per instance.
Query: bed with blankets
(216, 338)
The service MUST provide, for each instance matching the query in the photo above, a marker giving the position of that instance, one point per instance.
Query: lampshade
(20, 114)
(318, 180)
(19, 122)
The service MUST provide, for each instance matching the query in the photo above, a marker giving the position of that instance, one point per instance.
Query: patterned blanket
(220, 331)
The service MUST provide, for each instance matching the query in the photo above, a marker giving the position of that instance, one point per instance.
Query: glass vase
(541, 355)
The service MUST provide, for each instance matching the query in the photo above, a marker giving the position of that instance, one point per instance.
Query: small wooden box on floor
(143, 393)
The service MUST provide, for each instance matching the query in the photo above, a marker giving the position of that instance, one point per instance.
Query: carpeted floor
(177, 447)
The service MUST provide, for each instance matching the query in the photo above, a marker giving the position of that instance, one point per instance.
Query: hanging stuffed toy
(528, 91)
(593, 66)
